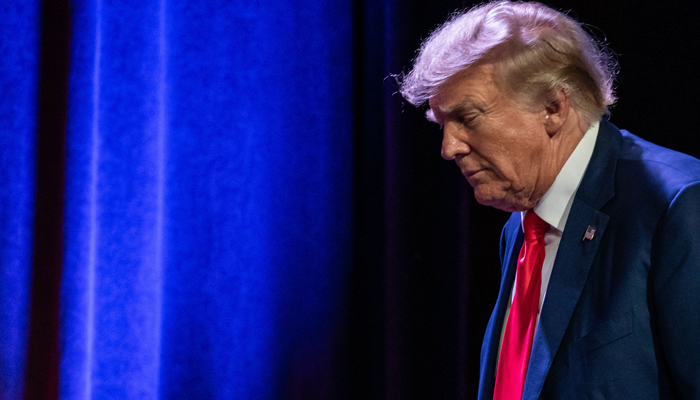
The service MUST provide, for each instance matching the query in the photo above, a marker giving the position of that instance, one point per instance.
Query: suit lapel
(565, 286)
(575, 256)
(513, 237)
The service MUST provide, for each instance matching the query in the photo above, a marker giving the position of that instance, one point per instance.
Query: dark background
(426, 268)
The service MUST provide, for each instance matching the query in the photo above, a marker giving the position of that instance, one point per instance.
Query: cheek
(522, 173)
(511, 154)
(523, 160)
(506, 167)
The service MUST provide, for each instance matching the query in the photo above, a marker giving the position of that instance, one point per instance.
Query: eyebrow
(465, 104)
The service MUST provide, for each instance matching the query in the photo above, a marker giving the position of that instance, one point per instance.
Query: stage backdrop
(227, 199)
(204, 232)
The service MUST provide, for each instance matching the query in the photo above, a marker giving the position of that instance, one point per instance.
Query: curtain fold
(208, 200)
(112, 273)
(20, 31)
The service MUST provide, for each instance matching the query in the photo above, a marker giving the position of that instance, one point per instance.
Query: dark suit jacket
(621, 317)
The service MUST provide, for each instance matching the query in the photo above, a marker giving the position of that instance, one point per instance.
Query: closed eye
(468, 119)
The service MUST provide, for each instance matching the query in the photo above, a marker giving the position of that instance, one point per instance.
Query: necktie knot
(534, 226)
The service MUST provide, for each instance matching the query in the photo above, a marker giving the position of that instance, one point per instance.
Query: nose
(452, 144)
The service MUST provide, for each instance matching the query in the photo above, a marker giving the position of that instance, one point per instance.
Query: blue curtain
(207, 223)
(19, 81)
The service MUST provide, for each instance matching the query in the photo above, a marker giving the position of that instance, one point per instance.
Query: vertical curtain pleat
(208, 200)
(19, 86)
(112, 281)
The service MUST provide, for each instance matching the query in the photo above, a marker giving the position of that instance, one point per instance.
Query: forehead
(476, 84)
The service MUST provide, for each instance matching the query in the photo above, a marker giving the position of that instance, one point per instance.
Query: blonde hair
(537, 51)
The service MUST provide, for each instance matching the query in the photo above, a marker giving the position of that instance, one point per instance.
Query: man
(600, 282)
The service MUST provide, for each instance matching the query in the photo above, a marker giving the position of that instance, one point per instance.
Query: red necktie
(520, 327)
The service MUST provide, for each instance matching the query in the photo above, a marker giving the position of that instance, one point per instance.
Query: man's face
(501, 148)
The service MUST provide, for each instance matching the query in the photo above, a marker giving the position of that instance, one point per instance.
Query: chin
(500, 203)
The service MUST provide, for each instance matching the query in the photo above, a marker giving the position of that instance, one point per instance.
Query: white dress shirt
(554, 209)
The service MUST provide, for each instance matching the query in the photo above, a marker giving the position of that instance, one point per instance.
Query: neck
(563, 142)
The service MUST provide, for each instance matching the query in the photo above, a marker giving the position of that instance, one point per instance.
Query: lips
(468, 170)
(468, 174)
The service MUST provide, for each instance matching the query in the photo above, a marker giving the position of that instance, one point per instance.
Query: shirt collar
(555, 205)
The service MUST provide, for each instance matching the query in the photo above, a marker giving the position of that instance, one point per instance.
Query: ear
(556, 112)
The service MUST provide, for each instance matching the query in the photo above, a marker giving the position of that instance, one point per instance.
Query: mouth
(469, 174)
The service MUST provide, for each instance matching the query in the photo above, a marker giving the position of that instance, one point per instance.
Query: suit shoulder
(667, 170)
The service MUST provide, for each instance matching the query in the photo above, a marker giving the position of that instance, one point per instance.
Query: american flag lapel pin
(590, 232)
